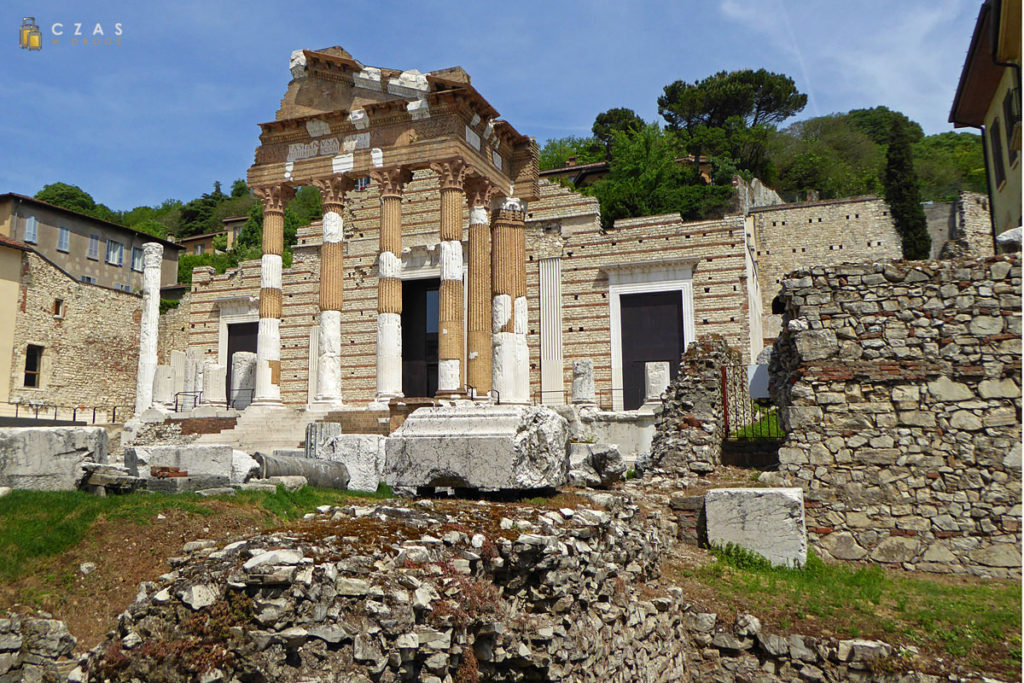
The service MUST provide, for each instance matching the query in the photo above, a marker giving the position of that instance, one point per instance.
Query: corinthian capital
(274, 197)
(391, 180)
(479, 190)
(333, 189)
(451, 174)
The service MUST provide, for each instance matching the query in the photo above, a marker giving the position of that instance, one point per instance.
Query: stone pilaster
(328, 382)
(451, 346)
(268, 342)
(511, 360)
(152, 258)
(389, 285)
(478, 335)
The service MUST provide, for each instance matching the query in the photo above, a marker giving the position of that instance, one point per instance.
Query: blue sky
(176, 105)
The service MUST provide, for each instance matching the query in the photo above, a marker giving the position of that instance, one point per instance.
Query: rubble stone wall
(898, 390)
(90, 346)
(173, 331)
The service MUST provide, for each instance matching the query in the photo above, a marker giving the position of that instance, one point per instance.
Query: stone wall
(689, 431)
(173, 330)
(827, 232)
(90, 352)
(34, 648)
(898, 389)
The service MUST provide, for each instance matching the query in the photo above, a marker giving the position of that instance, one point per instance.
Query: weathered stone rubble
(435, 591)
(688, 440)
(898, 389)
(34, 649)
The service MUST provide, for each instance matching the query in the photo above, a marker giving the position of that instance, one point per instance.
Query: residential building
(88, 249)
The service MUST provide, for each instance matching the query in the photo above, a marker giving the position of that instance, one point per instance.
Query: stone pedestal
(479, 446)
(163, 386)
(214, 383)
(243, 379)
(656, 379)
(317, 434)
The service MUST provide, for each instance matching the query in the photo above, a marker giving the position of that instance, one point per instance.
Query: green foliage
(220, 243)
(557, 151)
(644, 179)
(307, 205)
(947, 163)
(249, 242)
(169, 304)
(877, 124)
(239, 189)
(617, 120)
(74, 198)
(151, 227)
(757, 97)
(903, 197)
(219, 261)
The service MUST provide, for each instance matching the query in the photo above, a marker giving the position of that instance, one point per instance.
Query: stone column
(451, 346)
(389, 284)
(268, 342)
(510, 361)
(153, 254)
(328, 383)
(478, 365)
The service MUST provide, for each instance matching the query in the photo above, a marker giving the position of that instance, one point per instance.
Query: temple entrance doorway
(241, 337)
(652, 330)
(419, 337)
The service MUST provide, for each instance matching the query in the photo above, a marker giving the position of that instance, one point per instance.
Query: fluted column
(511, 360)
(332, 272)
(152, 258)
(268, 341)
(451, 343)
(478, 335)
(389, 285)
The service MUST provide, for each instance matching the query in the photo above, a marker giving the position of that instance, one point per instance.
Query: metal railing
(744, 417)
(187, 400)
(53, 412)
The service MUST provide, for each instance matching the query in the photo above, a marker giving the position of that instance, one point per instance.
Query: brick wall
(898, 386)
(828, 232)
(90, 354)
(560, 223)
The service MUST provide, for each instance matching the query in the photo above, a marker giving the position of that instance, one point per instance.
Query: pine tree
(903, 196)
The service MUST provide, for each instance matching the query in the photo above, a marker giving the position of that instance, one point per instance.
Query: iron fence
(745, 417)
(51, 412)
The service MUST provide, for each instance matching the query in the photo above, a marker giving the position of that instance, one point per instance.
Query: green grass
(35, 525)
(976, 621)
(766, 426)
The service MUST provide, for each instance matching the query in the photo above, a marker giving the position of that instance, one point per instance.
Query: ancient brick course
(898, 386)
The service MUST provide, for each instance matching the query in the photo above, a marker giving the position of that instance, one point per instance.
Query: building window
(115, 253)
(995, 148)
(94, 247)
(1011, 118)
(58, 308)
(31, 229)
(123, 288)
(137, 263)
(88, 279)
(63, 239)
(33, 363)
(362, 183)
(198, 249)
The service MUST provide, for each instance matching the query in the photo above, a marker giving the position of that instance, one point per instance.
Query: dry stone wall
(173, 331)
(90, 347)
(898, 388)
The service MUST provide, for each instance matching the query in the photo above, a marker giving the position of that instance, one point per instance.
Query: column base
(267, 403)
(328, 403)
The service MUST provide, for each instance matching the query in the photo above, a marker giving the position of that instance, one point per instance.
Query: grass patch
(35, 525)
(973, 621)
(766, 426)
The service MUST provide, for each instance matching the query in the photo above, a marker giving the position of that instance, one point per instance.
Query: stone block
(816, 344)
(178, 370)
(186, 484)
(769, 522)
(49, 458)
(214, 383)
(163, 385)
(480, 447)
(320, 473)
(243, 467)
(195, 459)
(362, 455)
(595, 465)
(317, 434)
(656, 378)
(583, 381)
(243, 379)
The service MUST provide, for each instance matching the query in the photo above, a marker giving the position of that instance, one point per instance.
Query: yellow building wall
(1006, 198)
(10, 277)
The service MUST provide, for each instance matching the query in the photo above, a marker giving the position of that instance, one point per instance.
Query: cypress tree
(903, 196)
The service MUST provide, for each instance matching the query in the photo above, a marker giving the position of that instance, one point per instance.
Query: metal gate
(745, 418)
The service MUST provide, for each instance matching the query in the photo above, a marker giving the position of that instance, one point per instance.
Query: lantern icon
(29, 38)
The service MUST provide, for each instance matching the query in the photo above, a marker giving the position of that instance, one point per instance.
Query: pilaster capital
(451, 174)
(391, 180)
(333, 189)
(274, 197)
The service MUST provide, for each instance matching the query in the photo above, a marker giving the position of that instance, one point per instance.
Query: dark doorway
(419, 337)
(241, 337)
(652, 330)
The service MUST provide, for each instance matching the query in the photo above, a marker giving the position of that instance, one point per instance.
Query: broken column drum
(152, 257)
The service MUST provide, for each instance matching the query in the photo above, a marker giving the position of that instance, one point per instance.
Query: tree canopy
(619, 119)
(758, 97)
(903, 197)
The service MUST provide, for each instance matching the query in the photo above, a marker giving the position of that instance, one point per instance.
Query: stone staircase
(265, 429)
